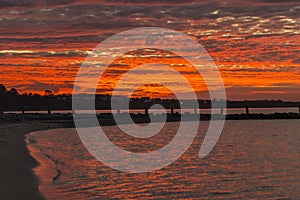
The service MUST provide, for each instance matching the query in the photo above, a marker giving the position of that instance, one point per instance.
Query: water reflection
(253, 159)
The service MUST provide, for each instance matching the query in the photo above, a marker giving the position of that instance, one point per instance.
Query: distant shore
(107, 119)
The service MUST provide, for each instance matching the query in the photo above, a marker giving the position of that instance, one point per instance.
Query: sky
(254, 43)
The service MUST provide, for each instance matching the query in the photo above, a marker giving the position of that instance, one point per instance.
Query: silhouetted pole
(49, 110)
(247, 109)
(49, 94)
(196, 106)
(222, 110)
(172, 109)
(49, 106)
(146, 110)
(118, 111)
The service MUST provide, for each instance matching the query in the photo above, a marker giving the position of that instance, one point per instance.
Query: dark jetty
(107, 118)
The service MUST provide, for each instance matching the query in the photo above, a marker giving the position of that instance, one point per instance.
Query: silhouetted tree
(3, 90)
(11, 100)
(13, 91)
(3, 98)
(48, 93)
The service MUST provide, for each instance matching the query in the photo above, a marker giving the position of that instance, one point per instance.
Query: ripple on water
(253, 159)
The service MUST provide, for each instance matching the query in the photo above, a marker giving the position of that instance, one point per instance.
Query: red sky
(255, 44)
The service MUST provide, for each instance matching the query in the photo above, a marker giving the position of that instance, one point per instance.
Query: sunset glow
(255, 44)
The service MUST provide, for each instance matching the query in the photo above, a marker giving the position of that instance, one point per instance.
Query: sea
(253, 159)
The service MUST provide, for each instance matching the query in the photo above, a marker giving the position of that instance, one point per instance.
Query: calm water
(252, 160)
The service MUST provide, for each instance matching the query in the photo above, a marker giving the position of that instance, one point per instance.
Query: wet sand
(17, 179)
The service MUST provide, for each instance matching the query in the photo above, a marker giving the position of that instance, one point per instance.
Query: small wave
(47, 169)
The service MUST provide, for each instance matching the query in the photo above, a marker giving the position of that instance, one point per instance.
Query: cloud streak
(251, 39)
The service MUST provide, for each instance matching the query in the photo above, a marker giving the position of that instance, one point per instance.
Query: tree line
(12, 100)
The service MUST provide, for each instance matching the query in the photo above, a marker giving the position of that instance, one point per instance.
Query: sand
(17, 179)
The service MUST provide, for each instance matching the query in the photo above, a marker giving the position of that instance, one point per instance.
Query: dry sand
(17, 179)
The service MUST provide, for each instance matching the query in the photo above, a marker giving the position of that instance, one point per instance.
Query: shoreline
(47, 170)
(17, 177)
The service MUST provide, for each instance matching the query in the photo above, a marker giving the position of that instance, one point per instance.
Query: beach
(17, 179)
